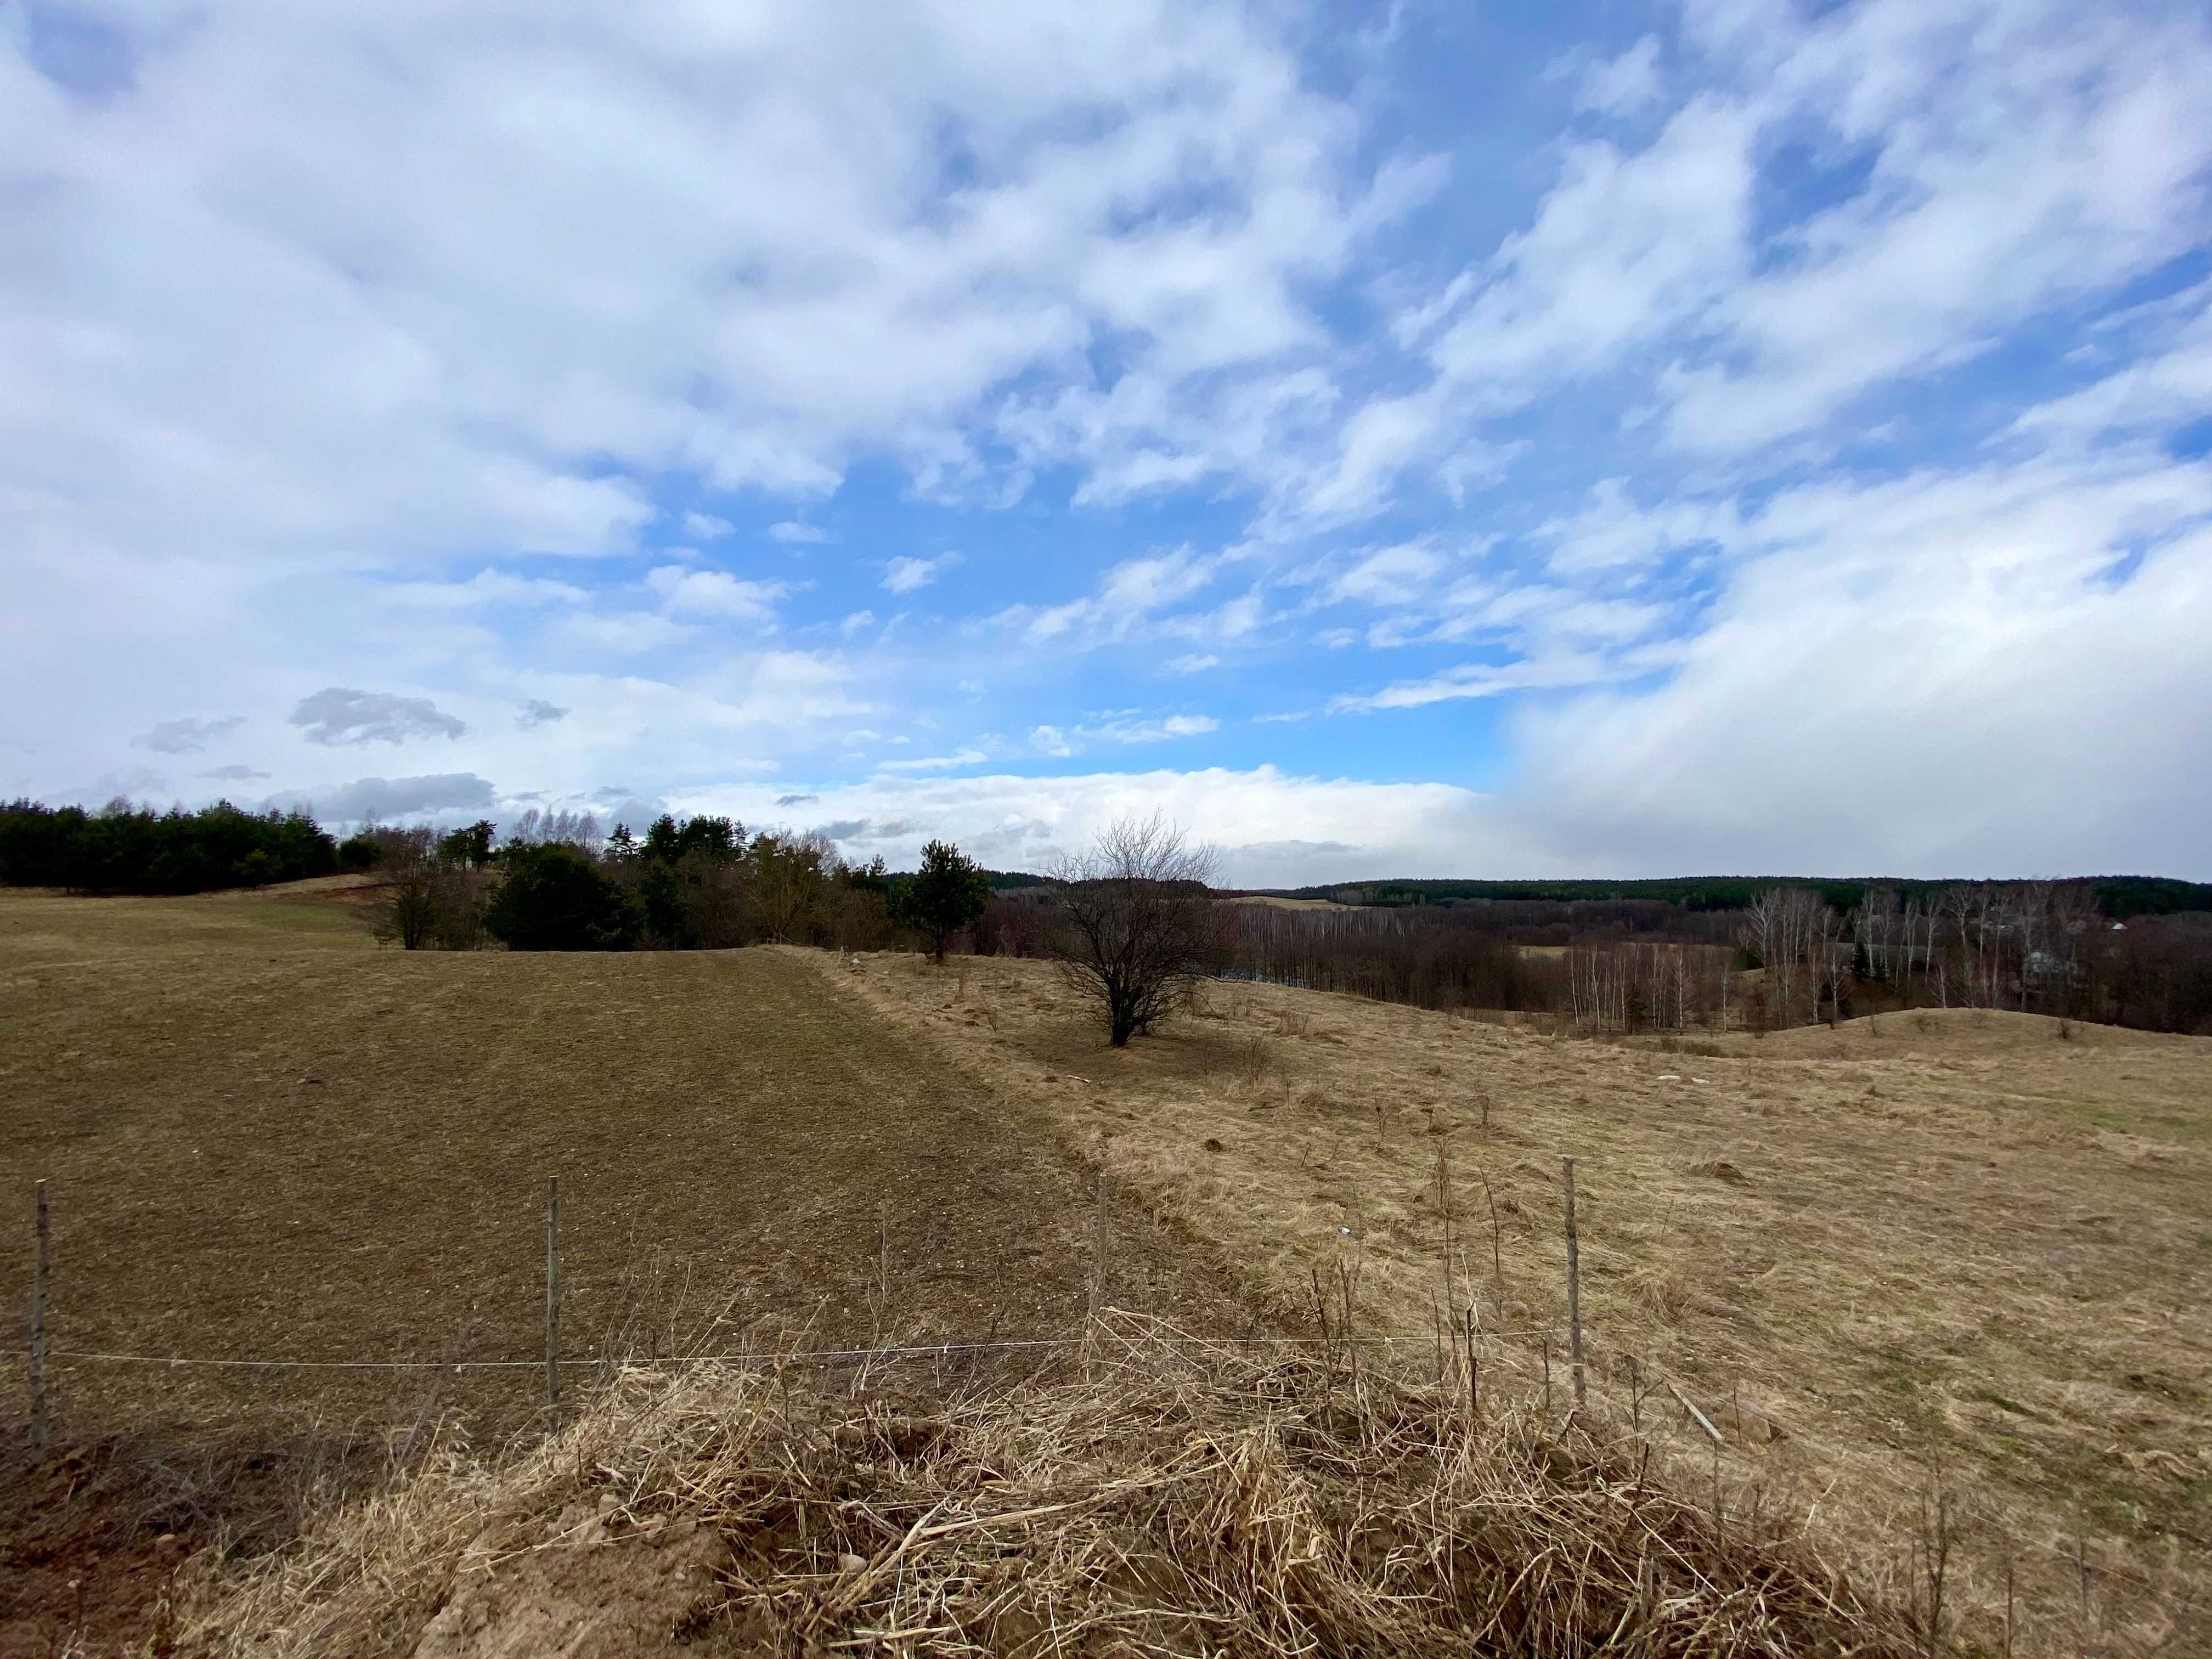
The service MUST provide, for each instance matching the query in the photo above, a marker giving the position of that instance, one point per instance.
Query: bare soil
(267, 1138)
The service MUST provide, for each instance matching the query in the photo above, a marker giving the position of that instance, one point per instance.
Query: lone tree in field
(1137, 923)
(949, 892)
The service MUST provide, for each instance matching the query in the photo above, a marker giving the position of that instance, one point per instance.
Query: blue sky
(1409, 439)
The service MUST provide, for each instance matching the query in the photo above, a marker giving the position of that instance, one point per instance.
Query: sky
(1393, 440)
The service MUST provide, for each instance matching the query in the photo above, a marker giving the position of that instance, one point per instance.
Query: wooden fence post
(1102, 1239)
(41, 1266)
(553, 1300)
(1574, 1286)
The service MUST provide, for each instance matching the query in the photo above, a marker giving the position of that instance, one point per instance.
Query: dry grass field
(1956, 1259)
(267, 1138)
(1959, 1258)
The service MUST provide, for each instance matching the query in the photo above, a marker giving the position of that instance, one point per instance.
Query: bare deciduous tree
(1138, 924)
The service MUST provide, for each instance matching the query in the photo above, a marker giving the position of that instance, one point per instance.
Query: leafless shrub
(1138, 924)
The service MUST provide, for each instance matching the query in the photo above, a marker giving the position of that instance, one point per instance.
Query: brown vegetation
(268, 1139)
(1181, 1498)
(1878, 1274)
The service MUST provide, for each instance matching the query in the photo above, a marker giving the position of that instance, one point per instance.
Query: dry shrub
(1175, 1500)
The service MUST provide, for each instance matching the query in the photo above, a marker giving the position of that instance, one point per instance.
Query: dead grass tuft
(1180, 1500)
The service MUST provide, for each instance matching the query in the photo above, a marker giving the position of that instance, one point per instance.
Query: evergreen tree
(949, 892)
(555, 898)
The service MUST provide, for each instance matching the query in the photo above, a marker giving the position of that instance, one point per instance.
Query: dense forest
(126, 849)
(2117, 896)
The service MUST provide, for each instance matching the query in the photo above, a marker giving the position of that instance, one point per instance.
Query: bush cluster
(125, 849)
(702, 883)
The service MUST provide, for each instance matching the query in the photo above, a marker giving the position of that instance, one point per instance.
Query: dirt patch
(582, 1589)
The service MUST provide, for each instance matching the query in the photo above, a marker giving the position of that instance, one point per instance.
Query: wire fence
(43, 1358)
(753, 1356)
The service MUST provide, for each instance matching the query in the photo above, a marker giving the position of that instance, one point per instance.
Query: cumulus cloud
(187, 736)
(790, 530)
(538, 712)
(706, 527)
(337, 715)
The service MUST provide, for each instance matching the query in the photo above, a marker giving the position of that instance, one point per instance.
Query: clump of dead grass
(1168, 1497)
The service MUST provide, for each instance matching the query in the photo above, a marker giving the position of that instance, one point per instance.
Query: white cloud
(1390, 575)
(1626, 85)
(706, 527)
(1126, 602)
(792, 532)
(622, 634)
(1623, 248)
(1125, 727)
(713, 593)
(936, 763)
(1194, 662)
(487, 587)
(569, 247)
(368, 800)
(1344, 827)
(904, 575)
(1962, 650)
(1478, 680)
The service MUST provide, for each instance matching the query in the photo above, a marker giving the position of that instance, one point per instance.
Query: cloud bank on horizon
(1401, 439)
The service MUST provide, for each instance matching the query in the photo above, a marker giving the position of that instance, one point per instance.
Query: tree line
(122, 848)
(1133, 921)
(2098, 949)
(2120, 897)
(703, 883)
(1789, 957)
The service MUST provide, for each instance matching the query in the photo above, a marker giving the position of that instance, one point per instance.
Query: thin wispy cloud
(904, 575)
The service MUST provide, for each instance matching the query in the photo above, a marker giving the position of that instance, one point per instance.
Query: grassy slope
(1986, 1248)
(266, 1137)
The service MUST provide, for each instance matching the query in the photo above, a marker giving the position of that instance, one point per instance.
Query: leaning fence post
(41, 1265)
(1574, 1285)
(553, 1299)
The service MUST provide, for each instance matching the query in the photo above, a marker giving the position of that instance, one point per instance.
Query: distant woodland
(1788, 955)
(1682, 955)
